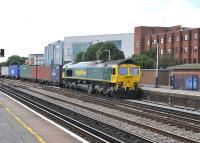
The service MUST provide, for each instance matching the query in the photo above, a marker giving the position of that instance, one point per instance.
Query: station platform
(168, 89)
(189, 99)
(19, 124)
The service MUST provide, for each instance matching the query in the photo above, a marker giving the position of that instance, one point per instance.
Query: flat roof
(185, 67)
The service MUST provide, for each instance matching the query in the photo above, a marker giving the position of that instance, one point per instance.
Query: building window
(177, 38)
(154, 41)
(148, 42)
(176, 50)
(195, 49)
(117, 43)
(137, 44)
(186, 37)
(169, 51)
(162, 41)
(169, 39)
(195, 36)
(161, 51)
(194, 60)
(185, 49)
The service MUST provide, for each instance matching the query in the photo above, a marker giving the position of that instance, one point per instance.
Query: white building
(36, 59)
(53, 53)
(75, 44)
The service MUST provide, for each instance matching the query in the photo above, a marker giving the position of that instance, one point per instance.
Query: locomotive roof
(102, 63)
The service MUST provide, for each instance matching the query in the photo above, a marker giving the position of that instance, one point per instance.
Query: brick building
(180, 42)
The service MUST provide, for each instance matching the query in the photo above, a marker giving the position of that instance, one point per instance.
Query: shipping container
(56, 73)
(14, 71)
(44, 73)
(25, 71)
(4, 71)
(33, 71)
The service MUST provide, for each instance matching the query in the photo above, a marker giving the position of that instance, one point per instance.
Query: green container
(25, 71)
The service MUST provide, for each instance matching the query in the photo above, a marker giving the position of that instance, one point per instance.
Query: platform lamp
(108, 54)
(157, 58)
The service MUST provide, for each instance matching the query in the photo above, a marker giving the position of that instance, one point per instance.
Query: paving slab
(20, 125)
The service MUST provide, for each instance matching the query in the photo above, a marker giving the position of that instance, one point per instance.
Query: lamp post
(157, 49)
(108, 54)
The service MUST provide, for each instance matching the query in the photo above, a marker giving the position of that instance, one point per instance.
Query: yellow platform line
(39, 138)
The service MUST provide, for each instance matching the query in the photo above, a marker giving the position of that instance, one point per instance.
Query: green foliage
(98, 52)
(144, 61)
(14, 60)
(115, 54)
(4, 64)
(80, 57)
(90, 54)
(166, 60)
(147, 60)
(151, 53)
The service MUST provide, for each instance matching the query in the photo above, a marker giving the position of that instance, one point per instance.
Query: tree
(4, 64)
(90, 54)
(151, 53)
(98, 52)
(16, 60)
(115, 53)
(144, 61)
(166, 60)
(80, 57)
(23, 60)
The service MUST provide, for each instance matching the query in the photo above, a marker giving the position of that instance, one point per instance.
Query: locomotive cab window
(69, 72)
(123, 71)
(134, 71)
(113, 71)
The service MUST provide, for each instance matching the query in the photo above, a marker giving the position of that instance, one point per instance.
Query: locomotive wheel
(90, 89)
(67, 85)
(111, 94)
(105, 91)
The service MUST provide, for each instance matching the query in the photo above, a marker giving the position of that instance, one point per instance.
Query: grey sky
(27, 26)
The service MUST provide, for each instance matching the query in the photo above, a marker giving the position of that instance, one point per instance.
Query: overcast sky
(27, 26)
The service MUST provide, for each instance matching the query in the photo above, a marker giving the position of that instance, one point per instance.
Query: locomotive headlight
(120, 83)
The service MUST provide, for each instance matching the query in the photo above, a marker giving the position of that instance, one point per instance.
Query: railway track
(59, 115)
(161, 116)
(190, 121)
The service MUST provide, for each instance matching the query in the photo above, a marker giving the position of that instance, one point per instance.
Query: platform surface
(19, 125)
(167, 89)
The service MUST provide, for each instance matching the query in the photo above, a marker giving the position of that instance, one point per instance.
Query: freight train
(117, 78)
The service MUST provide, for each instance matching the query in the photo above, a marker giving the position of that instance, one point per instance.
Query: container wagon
(46, 74)
(4, 72)
(14, 71)
(25, 72)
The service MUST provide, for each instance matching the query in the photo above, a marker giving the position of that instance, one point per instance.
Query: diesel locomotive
(118, 78)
